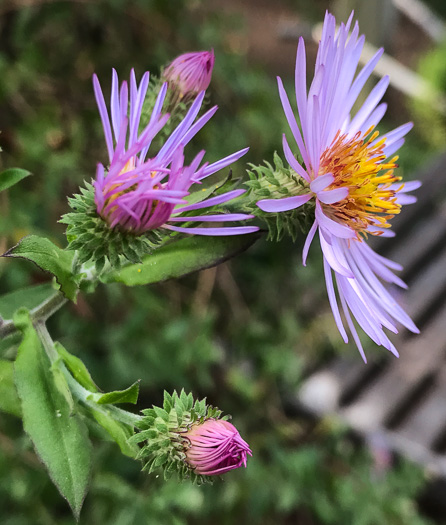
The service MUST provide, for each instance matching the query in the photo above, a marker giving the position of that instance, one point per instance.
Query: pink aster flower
(349, 173)
(139, 192)
(190, 73)
(215, 448)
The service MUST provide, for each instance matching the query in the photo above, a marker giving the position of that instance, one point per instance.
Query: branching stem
(78, 391)
(42, 312)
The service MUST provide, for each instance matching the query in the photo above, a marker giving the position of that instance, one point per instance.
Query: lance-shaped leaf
(181, 258)
(119, 432)
(9, 401)
(129, 395)
(12, 176)
(77, 368)
(50, 258)
(59, 436)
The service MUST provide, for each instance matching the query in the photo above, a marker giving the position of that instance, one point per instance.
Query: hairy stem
(78, 391)
(42, 312)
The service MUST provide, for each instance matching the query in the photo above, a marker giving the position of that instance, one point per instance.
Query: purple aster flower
(349, 172)
(190, 73)
(215, 448)
(139, 192)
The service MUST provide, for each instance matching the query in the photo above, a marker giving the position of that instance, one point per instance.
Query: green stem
(42, 312)
(79, 392)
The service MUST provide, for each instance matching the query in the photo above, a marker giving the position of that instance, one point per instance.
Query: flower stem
(42, 312)
(79, 392)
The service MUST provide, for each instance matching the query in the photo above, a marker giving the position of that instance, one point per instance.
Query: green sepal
(275, 182)
(94, 241)
(162, 431)
(92, 238)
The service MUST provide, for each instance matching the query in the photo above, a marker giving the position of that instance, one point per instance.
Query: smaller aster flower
(190, 438)
(139, 193)
(348, 171)
(216, 447)
(190, 73)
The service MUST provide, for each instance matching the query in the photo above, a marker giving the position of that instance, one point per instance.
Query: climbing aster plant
(152, 212)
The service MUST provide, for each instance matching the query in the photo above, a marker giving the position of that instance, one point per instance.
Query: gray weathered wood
(428, 418)
(420, 355)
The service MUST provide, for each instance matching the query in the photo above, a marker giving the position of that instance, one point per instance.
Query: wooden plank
(424, 237)
(322, 391)
(428, 284)
(376, 19)
(429, 418)
(435, 463)
(378, 401)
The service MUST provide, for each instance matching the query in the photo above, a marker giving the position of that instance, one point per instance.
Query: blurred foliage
(438, 6)
(431, 113)
(241, 334)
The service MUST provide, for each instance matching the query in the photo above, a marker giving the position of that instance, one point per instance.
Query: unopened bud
(190, 438)
(215, 448)
(190, 73)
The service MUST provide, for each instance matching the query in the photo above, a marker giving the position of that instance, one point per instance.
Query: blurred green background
(242, 334)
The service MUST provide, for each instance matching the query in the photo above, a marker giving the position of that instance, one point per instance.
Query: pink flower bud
(190, 73)
(215, 448)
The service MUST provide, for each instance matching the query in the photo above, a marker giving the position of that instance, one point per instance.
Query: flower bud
(215, 448)
(190, 73)
(190, 438)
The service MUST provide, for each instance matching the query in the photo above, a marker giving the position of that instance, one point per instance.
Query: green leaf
(62, 385)
(181, 258)
(129, 395)
(59, 437)
(29, 297)
(119, 432)
(12, 176)
(50, 258)
(206, 188)
(77, 368)
(9, 400)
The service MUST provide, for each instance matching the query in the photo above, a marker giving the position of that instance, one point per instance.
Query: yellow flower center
(130, 165)
(360, 166)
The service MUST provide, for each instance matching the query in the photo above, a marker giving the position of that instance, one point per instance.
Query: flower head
(138, 192)
(348, 171)
(190, 438)
(215, 447)
(190, 73)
